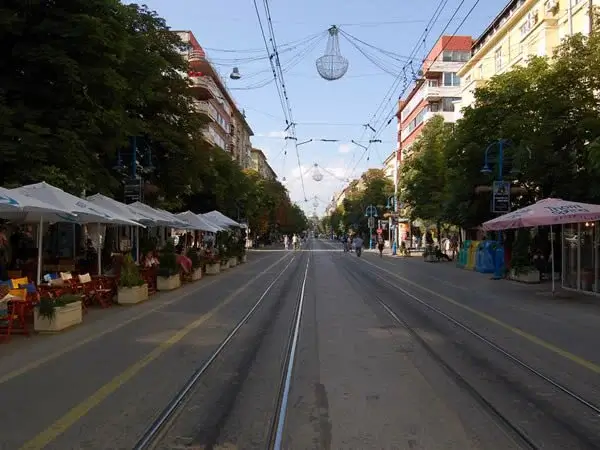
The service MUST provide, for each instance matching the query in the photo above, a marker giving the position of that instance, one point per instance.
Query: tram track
(417, 309)
(208, 433)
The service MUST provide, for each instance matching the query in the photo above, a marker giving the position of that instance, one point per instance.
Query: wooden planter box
(213, 269)
(132, 295)
(430, 258)
(196, 274)
(233, 262)
(65, 317)
(244, 259)
(168, 283)
(533, 276)
(225, 265)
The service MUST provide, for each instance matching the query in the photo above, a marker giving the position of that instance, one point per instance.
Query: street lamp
(371, 213)
(500, 145)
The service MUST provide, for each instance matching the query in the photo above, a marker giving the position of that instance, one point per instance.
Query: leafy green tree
(548, 110)
(423, 178)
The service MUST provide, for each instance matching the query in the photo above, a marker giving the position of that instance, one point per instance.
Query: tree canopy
(80, 79)
(548, 113)
(372, 188)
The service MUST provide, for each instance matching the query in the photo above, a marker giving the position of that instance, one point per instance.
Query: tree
(549, 112)
(423, 179)
(373, 188)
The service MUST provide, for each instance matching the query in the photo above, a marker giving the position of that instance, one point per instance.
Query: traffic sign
(379, 230)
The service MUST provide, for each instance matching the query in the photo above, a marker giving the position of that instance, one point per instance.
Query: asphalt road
(360, 379)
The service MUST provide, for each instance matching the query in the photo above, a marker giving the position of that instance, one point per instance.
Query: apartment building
(227, 127)
(436, 90)
(522, 29)
(260, 164)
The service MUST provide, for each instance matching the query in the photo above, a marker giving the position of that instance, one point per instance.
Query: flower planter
(196, 274)
(233, 262)
(213, 269)
(244, 259)
(64, 317)
(532, 276)
(225, 266)
(168, 283)
(132, 295)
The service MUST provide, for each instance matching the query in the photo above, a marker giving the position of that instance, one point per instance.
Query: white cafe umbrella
(220, 219)
(24, 209)
(84, 211)
(199, 222)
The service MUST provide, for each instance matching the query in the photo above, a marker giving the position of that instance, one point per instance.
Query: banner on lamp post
(501, 197)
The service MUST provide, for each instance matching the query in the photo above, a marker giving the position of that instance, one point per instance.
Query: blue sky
(322, 109)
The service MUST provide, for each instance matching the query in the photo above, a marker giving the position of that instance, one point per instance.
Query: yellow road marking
(79, 411)
(530, 337)
(63, 351)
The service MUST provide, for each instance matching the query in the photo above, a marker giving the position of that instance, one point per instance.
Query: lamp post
(392, 204)
(500, 144)
(371, 213)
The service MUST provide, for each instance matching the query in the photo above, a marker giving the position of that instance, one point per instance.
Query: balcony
(445, 66)
(437, 92)
(206, 108)
(203, 86)
(449, 116)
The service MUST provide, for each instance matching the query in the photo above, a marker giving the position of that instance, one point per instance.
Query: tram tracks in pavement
(586, 436)
(155, 435)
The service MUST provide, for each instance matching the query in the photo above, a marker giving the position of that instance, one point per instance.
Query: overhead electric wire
(443, 2)
(297, 59)
(279, 79)
(261, 50)
(393, 112)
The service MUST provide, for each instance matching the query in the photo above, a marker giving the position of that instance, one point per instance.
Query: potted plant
(168, 270)
(132, 288)
(213, 264)
(223, 252)
(56, 314)
(196, 273)
(520, 263)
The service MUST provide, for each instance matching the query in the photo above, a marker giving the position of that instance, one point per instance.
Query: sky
(394, 41)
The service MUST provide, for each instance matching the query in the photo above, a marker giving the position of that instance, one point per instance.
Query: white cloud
(272, 134)
(344, 148)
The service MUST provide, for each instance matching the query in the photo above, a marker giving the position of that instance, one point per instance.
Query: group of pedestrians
(351, 243)
(295, 242)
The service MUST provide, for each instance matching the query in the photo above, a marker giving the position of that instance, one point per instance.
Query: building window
(480, 72)
(451, 79)
(456, 56)
(498, 59)
(434, 107)
(433, 83)
(448, 103)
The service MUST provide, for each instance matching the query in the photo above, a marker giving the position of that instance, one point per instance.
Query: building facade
(436, 91)
(260, 164)
(227, 127)
(522, 29)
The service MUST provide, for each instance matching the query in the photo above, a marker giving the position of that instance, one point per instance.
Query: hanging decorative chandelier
(332, 65)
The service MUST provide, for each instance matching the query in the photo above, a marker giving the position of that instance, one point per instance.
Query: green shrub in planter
(168, 261)
(47, 305)
(130, 273)
(194, 258)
